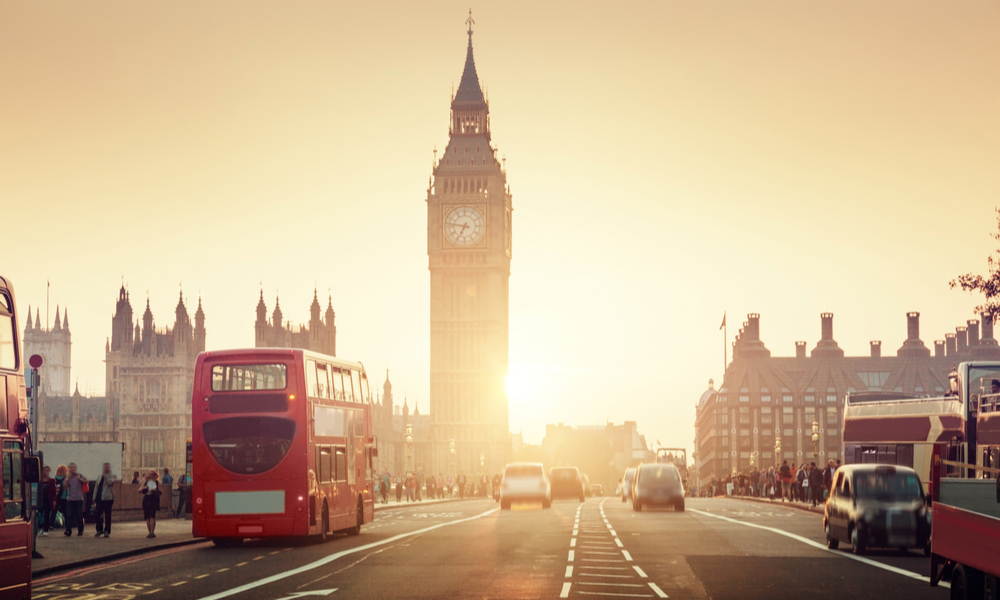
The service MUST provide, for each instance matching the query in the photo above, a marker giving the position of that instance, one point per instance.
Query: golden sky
(668, 161)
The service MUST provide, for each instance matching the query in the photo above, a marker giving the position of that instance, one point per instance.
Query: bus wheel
(324, 533)
(966, 583)
(356, 530)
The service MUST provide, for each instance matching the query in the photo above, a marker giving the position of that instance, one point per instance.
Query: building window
(766, 433)
(786, 398)
(765, 419)
(765, 455)
(874, 381)
(831, 415)
(765, 398)
(810, 414)
(744, 398)
(832, 453)
(787, 415)
(744, 415)
(787, 433)
(723, 399)
(810, 398)
(831, 399)
(745, 455)
(723, 418)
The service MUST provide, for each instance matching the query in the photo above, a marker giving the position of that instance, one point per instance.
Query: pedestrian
(801, 482)
(168, 481)
(135, 477)
(440, 485)
(461, 486)
(399, 489)
(75, 485)
(48, 498)
(451, 486)
(61, 472)
(816, 484)
(183, 482)
(104, 498)
(431, 492)
(150, 489)
(785, 473)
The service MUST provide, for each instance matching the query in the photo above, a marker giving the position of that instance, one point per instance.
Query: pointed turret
(57, 326)
(38, 320)
(199, 328)
(329, 316)
(314, 310)
(66, 319)
(27, 326)
(261, 308)
(276, 316)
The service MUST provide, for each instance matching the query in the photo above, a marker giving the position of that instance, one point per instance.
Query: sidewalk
(819, 509)
(127, 539)
(62, 552)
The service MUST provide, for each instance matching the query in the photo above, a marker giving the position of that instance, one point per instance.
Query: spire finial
(470, 22)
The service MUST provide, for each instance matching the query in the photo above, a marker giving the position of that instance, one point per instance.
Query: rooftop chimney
(938, 348)
(800, 349)
(987, 334)
(950, 344)
(962, 336)
(827, 346)
(913, 346)
(973, 332)
(876, 349)
(750, 344)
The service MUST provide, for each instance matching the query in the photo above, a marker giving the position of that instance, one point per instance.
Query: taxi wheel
(857, 542)
(831, 543)
(680, 506)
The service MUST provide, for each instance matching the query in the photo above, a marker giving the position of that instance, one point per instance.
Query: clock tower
(469, 250)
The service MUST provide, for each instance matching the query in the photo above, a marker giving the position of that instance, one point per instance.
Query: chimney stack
(876, 349)
(827, 346)
(950, 344)
(800, 349)
(827, 326)
(986, 339)
(973, 332)
(750, 344)
(913, 346)
(962, 336)
(753, 327)
(938, 348)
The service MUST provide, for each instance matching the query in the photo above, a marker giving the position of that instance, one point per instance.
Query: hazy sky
(668, 161)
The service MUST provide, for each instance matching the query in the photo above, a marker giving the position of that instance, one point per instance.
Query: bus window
(325, 465)
(8, 356)
(322, 381)
(338, 385)
(249, 445)
(240, 378)
(365, 395)
(341, 456)
(13, 493)
(311, 378)
(348, 386)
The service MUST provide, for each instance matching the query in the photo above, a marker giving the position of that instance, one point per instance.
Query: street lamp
(451, 451)
(753, 461)
(815, 438)
(409, 447)
(777, 450)
(482, 463)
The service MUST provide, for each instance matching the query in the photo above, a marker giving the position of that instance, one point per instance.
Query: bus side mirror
(31, 469)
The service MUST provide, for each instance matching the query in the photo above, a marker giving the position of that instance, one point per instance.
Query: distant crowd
(805, 483)
(414, 487)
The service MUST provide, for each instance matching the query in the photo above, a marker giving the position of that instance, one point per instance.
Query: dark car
(566, 482)
(657, 484)
(877, 506)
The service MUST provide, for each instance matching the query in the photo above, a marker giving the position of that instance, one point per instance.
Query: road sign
(35, 361)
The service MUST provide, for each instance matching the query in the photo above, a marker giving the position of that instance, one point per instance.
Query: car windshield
(884, 485)
(523, 471)
(659, 474)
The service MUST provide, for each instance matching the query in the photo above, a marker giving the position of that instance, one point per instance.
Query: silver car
(627, 484)
(524, 482)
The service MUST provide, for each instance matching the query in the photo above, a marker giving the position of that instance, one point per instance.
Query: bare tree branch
(988, 286)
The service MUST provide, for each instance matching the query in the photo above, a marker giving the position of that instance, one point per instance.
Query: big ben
(469, 252)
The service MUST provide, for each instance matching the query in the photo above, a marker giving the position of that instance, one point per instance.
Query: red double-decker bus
(282, 445)
(18, 468)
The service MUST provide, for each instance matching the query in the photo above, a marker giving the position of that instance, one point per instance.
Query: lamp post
(753, 461)
(409, 447)
(482, 463)
(815, 438)
(777, 450)
(451, 452)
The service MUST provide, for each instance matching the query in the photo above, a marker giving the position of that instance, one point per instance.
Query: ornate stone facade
(150, 373)
(469, 252)
(54, 346)
(320, 335)
(390, 422)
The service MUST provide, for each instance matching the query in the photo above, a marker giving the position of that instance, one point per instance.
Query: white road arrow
(310, 593)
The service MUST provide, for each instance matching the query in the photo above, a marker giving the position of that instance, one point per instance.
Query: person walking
(180, 493)
(785, 473)
(104, 498)
(399, 489)
(135, 477)
(74, 484)
(150, 489)
(61, 472)
(815, 484)
(165, 481)
(48, 497)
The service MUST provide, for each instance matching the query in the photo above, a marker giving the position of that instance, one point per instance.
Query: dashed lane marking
(620, 595)
(639, 571)
(203, 576)
(619, 542)
(614, 583)
(569, 571)
(240, 564)
(601, 560)
(605, 575)
(177, 584)
(657, 589)
(572, 542)
(572, 553)
(223, 570)
(565, 590)
(628, 556)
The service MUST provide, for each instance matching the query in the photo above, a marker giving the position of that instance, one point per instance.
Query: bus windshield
(231, 378)
(981, 385)
(249, 445)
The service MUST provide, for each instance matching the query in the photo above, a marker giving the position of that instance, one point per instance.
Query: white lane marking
(576, 532)
(614, 533)
(600, 567)
(619, 542)
(572, 542)
(571, 555)
(628, 556)
(605, 575)
(332, 557)
(596, 552)
(621, 595)
(569, 571)
(639, 571)
(601, 560)
(657, 589)
(614, 583)
(565, 590)
(809, 542)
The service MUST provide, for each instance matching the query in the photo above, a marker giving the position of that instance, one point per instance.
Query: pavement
(129, 539)
(819, 508)
(718, 548)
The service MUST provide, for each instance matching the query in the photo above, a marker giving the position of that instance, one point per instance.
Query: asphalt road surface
(716, 549)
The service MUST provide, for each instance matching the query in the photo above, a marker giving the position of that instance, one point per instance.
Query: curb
(35, 574)
(794, 505)
(45, 571)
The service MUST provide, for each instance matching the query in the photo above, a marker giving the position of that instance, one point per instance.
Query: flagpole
(725, 347)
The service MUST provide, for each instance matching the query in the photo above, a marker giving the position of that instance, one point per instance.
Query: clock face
(464, 226)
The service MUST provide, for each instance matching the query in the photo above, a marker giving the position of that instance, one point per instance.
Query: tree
(988, 286)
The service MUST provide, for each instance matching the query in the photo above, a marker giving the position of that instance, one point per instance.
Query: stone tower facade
(150, 373)
(469, 253)
(54, 346)
(320, 335)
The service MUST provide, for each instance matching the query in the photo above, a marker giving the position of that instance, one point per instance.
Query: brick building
(763, 397)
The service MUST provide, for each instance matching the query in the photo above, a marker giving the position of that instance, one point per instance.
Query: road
(718, 548)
